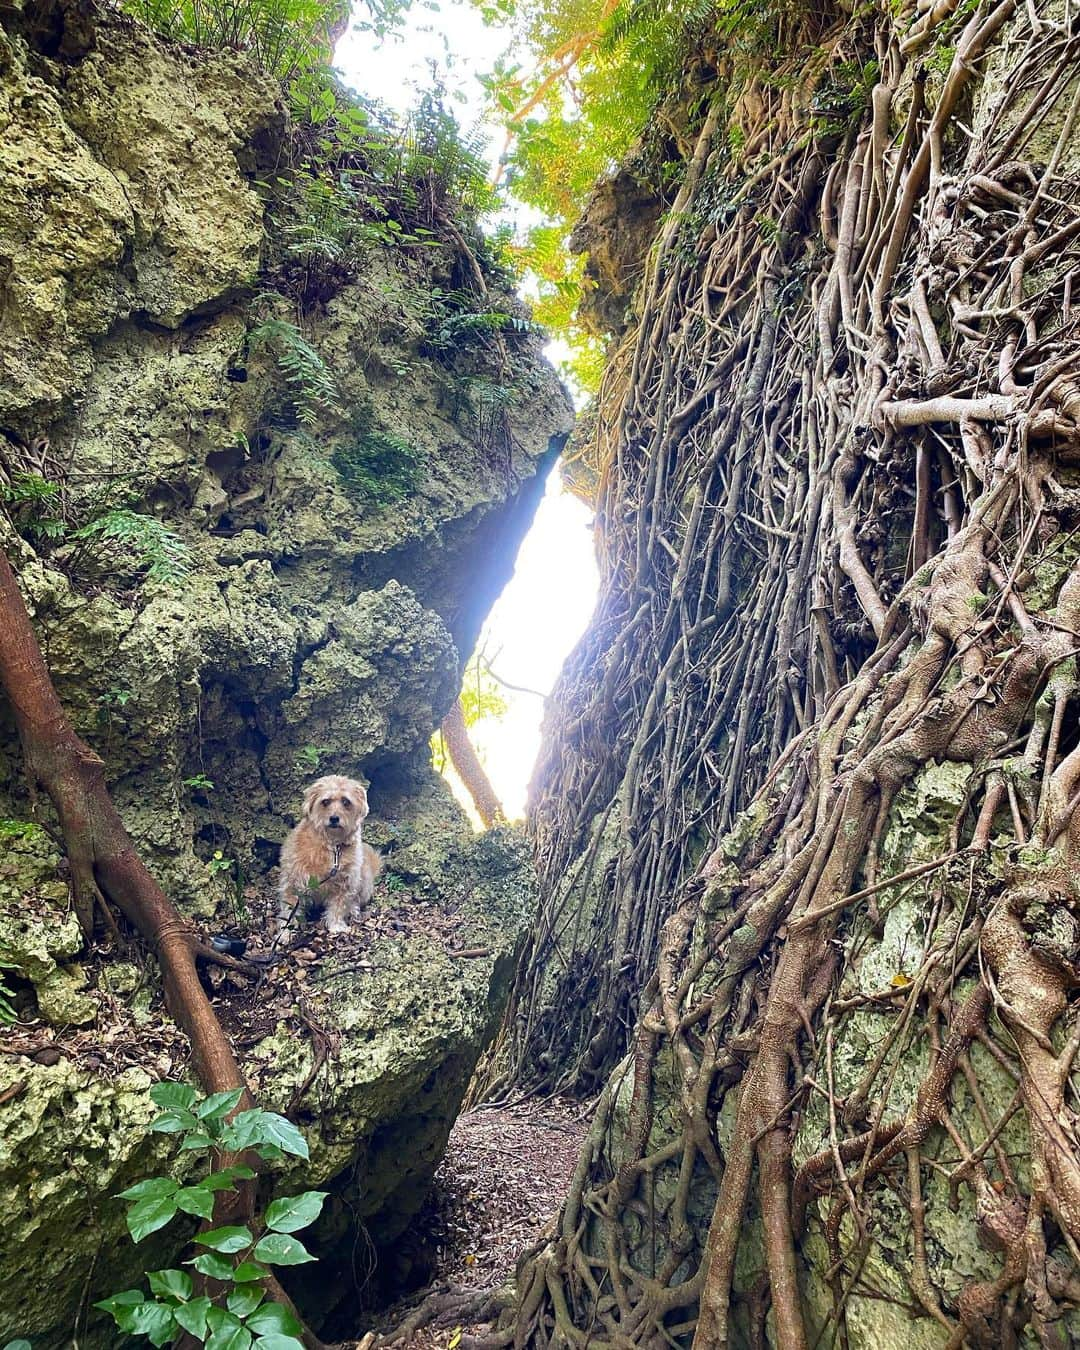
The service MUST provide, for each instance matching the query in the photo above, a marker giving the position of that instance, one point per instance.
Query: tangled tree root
(844, 447)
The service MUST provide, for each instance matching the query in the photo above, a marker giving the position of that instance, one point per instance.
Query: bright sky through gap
(397, 69)
(544, 608)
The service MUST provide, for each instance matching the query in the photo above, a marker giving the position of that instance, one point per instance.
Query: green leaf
(147, 1216)
(247, 1271)
(276, 1342)
(173, 1122)
(195, 1200)
(192, 1316)
(294, 1212)
(244, 1299)
(128, 1299)
(229, 1333)
(171, 1096)
(218, 1105)
(225, 1180)
(281, 1250)
(153, 1188)
(225, 1239)
(18, 1345)
(176, 1283)
(251, 1128)
(274, 1317)
(196, 1139)
(154, 1321)
(213, 1266)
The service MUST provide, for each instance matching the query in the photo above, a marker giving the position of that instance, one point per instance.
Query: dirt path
(505, 1173)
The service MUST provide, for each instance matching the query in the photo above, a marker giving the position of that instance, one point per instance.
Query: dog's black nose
(335, 820)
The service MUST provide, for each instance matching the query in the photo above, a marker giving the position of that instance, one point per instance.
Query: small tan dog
(324, 860)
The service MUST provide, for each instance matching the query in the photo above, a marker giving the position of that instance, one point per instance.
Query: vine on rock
(838, 457)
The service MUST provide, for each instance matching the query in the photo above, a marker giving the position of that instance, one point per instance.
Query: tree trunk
(467, 764)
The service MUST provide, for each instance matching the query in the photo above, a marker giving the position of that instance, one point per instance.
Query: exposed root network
(838, 459)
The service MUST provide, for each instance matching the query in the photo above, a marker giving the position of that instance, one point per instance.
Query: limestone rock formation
(317, 623)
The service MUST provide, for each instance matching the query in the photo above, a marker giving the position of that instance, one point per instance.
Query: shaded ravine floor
(503, 1178)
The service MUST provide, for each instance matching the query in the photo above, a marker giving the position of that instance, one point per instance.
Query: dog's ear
(363, 801)
(310, 797)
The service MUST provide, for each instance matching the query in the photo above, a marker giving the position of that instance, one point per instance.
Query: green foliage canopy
(575, 93)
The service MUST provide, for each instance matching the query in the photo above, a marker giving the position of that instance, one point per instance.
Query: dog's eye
(327, 801)
(346, 803)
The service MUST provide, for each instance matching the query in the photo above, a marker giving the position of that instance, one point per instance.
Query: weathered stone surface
(126, 343)
(39, 939)
(615, 231)
(320, 627)
(123, 191)
(409, 1021)
(69, 1142)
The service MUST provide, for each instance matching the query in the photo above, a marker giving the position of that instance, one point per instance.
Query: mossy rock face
(320, 627)
(127, 168)
(68, 1143)
(407, 1018)
(37, 943)
(400, 665)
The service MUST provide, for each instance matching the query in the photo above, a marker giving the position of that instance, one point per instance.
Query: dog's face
(336, 806)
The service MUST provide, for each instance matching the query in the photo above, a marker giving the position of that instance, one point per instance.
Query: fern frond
(310, 380)
(456, 329)
(143, 543)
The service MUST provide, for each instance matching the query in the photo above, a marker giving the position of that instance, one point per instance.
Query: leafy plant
(219, 863)
(575, 93)
(377, 466)
(199, 783)
(232, 874)
(308, 757)
(35, 505)
(98, 527)
(457, 329)
(7, 1006)
(240, 1316)
(310, 380)
(284, 36)
(843, 96)
(447, 159)
(326, 220)
(17, 829)
(112, 700)
(480, 394)
(139, 542)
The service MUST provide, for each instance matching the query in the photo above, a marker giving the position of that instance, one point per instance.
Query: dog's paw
(335, 925)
